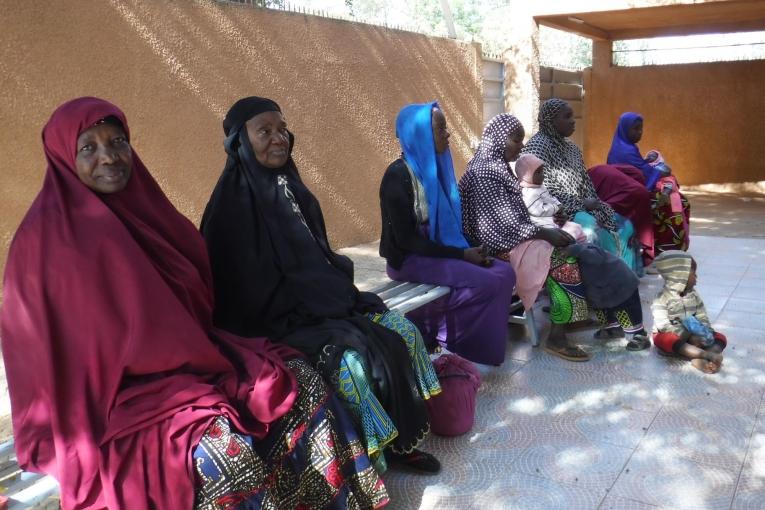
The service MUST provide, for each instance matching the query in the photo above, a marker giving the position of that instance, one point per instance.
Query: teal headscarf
(434, 171)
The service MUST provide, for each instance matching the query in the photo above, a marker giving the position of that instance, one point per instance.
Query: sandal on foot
(609, 333)
(638, 343)
(416, 461)
(568, 352)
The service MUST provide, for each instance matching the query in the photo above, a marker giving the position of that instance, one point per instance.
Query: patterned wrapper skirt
(355, 390)
(671, 229)
(567, 295)
(311, 459)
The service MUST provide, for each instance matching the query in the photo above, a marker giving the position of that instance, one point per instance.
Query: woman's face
(635, 132)
(514, 145)
(440, 131)
(564, 122)
(104, 159)
(269, 138)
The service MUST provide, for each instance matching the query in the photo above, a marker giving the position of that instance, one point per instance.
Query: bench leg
(531, 326)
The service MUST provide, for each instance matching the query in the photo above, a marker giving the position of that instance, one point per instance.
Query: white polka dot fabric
(565, 173)
(493, 212)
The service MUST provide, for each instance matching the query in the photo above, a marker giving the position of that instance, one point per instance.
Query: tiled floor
(623, 431)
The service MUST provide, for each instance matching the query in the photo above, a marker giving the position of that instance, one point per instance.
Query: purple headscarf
(627, 153)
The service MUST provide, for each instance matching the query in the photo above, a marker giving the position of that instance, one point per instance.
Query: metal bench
(24, 490)
(520, 316)
(405, 297)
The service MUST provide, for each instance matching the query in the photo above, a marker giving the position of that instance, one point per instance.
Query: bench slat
(421, 300)
(408, 294)
(34, 494)
(391, 291)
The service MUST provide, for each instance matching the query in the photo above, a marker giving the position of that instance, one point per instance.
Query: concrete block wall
(565, 85)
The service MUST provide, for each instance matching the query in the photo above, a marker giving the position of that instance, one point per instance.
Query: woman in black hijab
(276, 275)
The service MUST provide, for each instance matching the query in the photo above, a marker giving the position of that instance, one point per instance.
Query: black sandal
(609, 333)
(416, 461)
(638, 343)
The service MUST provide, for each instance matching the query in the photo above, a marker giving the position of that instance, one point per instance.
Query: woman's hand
(478, 256)
(555, 236)
(591, 203)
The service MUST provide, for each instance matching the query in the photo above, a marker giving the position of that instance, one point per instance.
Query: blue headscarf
(434, 171)
(625, 152)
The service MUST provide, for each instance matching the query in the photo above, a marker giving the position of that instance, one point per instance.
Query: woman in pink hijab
(120, 386)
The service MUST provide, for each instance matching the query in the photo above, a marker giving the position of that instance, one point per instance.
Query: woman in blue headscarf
(671, 210)
(422, 241)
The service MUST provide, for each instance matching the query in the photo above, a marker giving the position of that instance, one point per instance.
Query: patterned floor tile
(618, 503)
(573, 460)
(661, 479)
(682, 434)
(745, 305)
(750, 492)
(521, 350)
(718, 288)
(617, 426)
(520, 491)
(748, 280)
(730, 317)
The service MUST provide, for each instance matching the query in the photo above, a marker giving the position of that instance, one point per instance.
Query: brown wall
(175, 67)
(705, 118)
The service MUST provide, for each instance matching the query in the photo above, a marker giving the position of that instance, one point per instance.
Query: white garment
(541, 205)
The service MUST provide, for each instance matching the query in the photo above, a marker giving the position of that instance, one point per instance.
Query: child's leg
(707, 361)
(609, 326)
(630, 317)
(717, 348)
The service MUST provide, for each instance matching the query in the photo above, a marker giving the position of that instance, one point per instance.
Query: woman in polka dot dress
(494, 214)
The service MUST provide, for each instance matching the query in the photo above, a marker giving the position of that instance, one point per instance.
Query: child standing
(680, 322)
(545, 210)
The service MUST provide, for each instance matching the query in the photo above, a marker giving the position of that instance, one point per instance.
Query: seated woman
(671, 210)
(120, 386)
(495, 214)
(276, 275)
(566, 178)
(422, 242)
(621, 187)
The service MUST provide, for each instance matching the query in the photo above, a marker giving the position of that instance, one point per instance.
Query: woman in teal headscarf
(422, 241)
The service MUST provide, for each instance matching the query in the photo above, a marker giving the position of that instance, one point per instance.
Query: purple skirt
(472, 319)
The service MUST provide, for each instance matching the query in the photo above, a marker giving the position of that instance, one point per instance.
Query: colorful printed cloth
(566, 290)
(310, 459)
(670, 227)
(354, 388)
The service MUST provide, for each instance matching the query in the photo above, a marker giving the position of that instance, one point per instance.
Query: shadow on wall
(175, 68)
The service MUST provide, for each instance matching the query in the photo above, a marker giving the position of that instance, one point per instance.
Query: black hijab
(275, 274)
(265, 282)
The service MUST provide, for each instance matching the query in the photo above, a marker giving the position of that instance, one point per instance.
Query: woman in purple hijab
(671, 210)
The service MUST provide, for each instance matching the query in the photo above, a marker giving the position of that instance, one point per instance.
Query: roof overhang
(664, 20)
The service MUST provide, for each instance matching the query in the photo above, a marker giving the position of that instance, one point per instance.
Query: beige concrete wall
(705, 118)
(175, 67)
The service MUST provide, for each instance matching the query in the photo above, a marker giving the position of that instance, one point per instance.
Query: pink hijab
(525, 168)
(114, 367)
